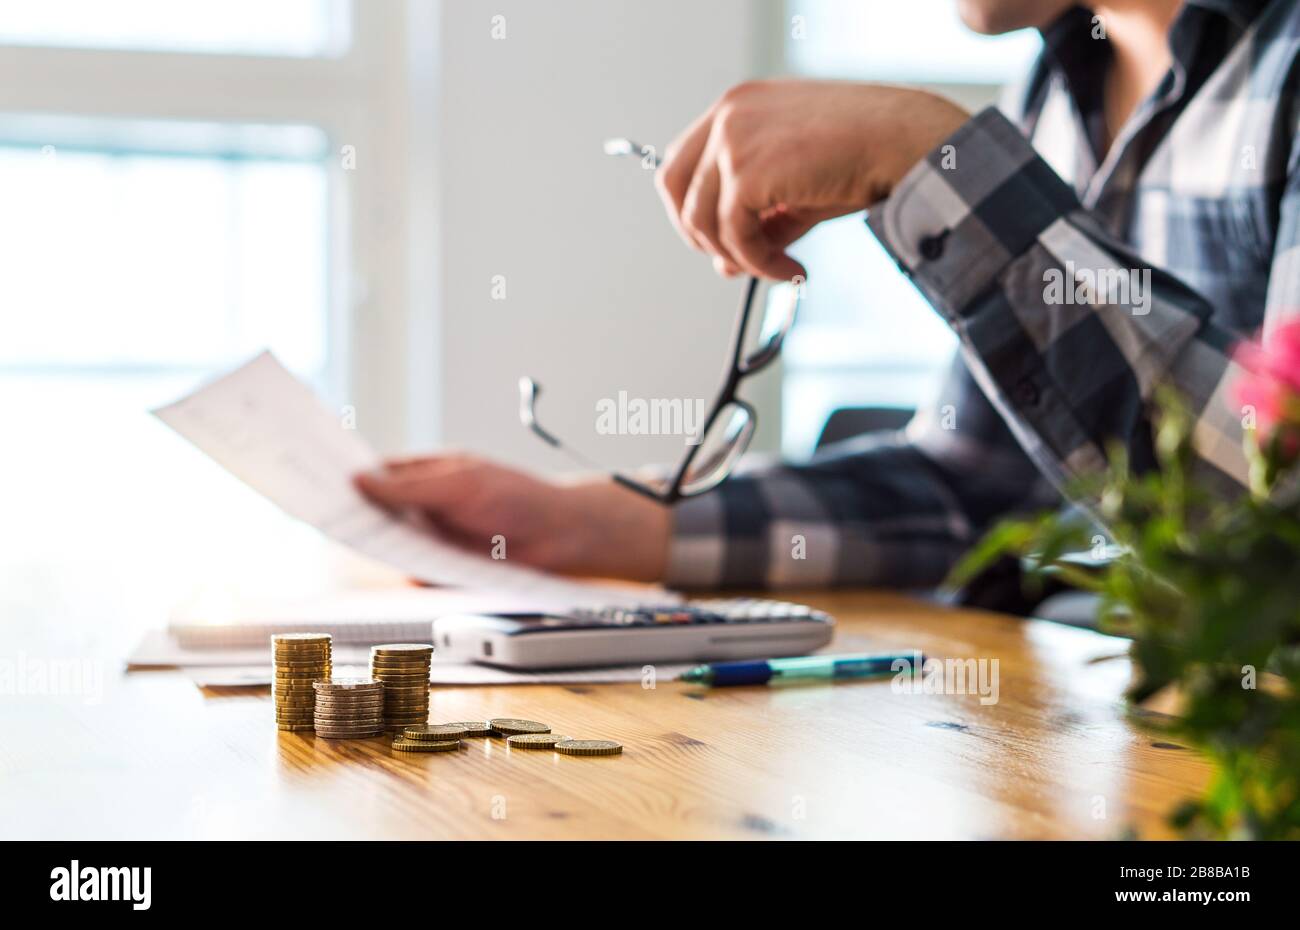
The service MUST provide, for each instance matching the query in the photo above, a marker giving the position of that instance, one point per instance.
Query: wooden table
(1053, 758)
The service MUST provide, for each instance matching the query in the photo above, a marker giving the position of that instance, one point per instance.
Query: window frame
(377, 94)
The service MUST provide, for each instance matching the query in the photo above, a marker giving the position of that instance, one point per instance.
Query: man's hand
(771, 159)
(591, 528)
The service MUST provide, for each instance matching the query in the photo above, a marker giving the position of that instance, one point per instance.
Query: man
(1161, 156)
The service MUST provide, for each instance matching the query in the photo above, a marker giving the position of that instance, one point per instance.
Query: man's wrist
(617, 532)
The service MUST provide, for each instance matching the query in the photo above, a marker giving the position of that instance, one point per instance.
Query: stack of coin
(404, 670)
(299, 660)
(349, 708)
(424, 738)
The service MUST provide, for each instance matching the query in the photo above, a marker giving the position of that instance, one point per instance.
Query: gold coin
(349, 726)
(350, 684)
(435, 732)
(417, 745)
(402, 649)
(350, 705)
(295, 638)
(472, 728)
(533, 740)
(293, 727)
(588, 747)
(509, 726)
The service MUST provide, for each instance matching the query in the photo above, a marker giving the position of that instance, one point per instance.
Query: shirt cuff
(968, 209)
(697, 550)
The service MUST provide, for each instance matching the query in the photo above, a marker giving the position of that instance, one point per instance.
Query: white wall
(601, 296)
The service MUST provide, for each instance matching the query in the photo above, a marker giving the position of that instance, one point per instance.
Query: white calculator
(700, 631)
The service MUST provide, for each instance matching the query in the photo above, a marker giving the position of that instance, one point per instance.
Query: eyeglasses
(729, 425)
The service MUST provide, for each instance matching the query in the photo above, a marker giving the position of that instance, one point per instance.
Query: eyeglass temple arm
(529, 391)
(628, 149)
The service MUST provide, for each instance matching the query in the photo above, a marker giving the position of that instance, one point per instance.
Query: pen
(762, 671)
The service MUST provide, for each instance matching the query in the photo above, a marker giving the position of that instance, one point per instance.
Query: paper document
(251, 667)
(268, 429)
(449, 674)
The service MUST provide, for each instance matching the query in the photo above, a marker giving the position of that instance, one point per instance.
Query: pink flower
(1271, 387)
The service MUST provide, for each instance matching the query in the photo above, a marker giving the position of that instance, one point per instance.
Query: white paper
(360, 616)
(268, 429)
(449, 674)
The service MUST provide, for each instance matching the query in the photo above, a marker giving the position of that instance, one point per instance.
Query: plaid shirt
(1199, 194)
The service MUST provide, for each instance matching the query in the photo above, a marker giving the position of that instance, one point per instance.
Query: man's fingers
(428, 485)
(673, 179)
(700, 210)
(742, 234)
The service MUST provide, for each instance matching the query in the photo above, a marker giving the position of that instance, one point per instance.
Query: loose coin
(509, 726)
(435, 732)
(473, 728)
(419, 745)
(533, 740)
(588, 747)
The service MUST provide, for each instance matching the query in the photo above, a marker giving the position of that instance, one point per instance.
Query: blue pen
(763, 671)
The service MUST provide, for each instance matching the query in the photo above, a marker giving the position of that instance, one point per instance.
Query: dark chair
(847, 422)
(1001, 586)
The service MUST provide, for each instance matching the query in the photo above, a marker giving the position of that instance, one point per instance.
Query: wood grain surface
(1055, 757)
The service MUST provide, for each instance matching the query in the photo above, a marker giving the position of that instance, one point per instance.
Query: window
(866, 337)
(179, 191)
(244, 27)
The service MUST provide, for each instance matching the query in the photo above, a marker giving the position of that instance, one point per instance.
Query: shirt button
(1025, 393)
(932, 246)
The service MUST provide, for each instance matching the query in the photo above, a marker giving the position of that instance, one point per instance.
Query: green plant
(1208, 589)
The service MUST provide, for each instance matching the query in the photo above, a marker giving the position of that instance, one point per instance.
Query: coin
(472, 728)
(533, 740)
(350, 684)
(588, 747)
(293, 727)
(278, 638)
(402, 649)
(348, 726)
(416, 745)
(435, 732)
(509, 726)
(321, 701)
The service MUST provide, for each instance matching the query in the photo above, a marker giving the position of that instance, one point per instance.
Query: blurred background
(407, 201)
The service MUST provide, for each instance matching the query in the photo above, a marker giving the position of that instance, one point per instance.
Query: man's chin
(995, 17)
